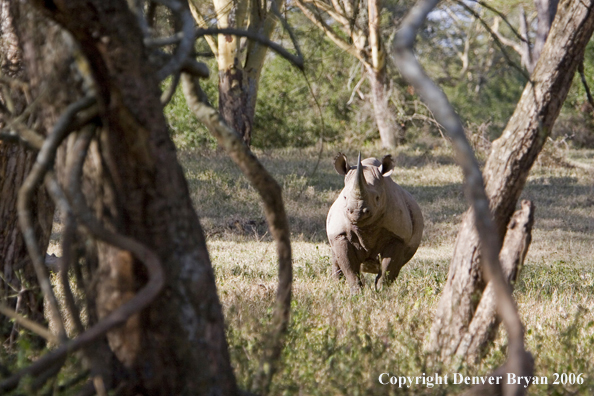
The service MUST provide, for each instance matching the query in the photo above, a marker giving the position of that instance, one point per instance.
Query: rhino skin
(374, 225)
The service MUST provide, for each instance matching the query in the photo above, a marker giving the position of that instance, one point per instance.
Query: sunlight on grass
(338, 344)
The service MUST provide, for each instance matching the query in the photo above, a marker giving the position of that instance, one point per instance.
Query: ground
(339, 344)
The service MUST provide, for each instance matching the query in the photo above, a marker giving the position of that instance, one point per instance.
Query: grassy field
(339, 344)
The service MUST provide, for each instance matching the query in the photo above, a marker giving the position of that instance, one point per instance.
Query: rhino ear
(341, 165)
(387, 165)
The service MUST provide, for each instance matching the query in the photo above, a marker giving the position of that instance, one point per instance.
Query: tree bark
(391, 133)
(239, 65)
(484, 325)
(176, 345)
(507, 168)
(233, 103)
(16, 161)
(546, 10)
(365, 45)
(17, 270)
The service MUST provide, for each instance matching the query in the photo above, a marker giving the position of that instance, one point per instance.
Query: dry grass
(338, 344)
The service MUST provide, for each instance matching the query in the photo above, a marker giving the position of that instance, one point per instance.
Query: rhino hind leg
(393, 259)
(345, 257)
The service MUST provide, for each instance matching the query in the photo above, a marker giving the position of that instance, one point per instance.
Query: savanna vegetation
(208, 240)
(340, 344)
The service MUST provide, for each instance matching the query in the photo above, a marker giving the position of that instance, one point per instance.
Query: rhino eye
(377, 198)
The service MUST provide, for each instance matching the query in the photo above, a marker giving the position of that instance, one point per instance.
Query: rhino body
(374, 225)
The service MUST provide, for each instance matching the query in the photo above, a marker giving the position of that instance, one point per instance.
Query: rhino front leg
(393, 259)
(336, 271)
(345, 258)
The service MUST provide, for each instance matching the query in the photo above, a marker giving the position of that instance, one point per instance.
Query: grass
(339, 344)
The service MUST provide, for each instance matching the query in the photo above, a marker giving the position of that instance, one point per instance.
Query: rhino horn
(359, 182)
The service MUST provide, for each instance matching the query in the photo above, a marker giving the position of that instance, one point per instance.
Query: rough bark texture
(177, 345)
(233, 101)
(16, 161)
(17, 270)
(239, 64)
(391, 133)
(508, 166)
(484, 325)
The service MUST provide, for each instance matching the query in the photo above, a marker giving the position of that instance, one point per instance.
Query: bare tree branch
(20, 132)
(279, 49)
(502, 16)
(330, 10)
(121, 314)
(202, 24)
(189, 65)
(42, 164)
(276, 11)
(320, 23)
(271, 195)
(29, 324)
(495, 38)
(168, 94)
(51, 183)
(183, 50)
(519, 361)
(163, 41)
(510, 43)
(295, 60)
(527, 56)
(585, 84)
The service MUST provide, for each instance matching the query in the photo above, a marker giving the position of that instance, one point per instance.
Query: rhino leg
(336, 271)
(345, 257)
(393, 258)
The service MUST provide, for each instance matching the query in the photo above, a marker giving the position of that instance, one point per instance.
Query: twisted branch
(120, 315)
(55, 191)
(279, 49)
(183, 50)
(42, 164)
(519, 360)
(274, 210)
(28, 324)
(495, 38)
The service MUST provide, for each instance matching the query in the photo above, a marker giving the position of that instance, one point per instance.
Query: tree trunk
(507, 168)
(233, 104)
(17, 270)
(177, 344)
(483, 328)
(546, 10)
(239, 65)
(15, 163)
(232, 79)
(391, 133)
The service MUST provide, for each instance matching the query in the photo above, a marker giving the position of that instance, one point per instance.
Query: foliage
(576, 121)
(287, 113)
(484, 94)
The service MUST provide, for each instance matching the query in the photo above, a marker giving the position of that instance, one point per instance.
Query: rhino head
(365, 188)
